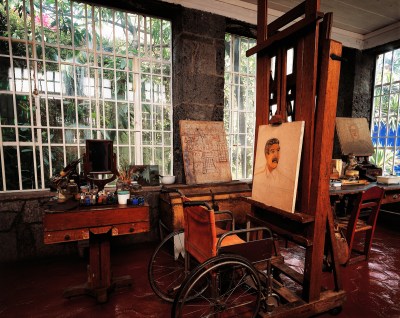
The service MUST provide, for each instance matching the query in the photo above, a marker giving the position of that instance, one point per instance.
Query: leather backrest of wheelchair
(254, 251)
(200, 233)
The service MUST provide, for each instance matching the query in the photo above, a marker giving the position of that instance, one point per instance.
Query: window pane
(27, 168)
(385, 126)
(6, 109)
(8, 134)
(86, 64)
(80, 28)
(11, 168)
(55, 117)
(239, 101)
(69, 112)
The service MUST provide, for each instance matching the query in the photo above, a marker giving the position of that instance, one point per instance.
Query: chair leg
(350, 234)
(368, 242)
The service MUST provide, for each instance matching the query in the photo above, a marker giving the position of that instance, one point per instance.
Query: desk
(98, 224)
(392, 192)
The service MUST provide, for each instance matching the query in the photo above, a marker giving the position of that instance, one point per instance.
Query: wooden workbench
(97, 224)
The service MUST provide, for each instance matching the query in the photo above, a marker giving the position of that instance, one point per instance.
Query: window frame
(160, 141)
(385, 115)
(241, 154)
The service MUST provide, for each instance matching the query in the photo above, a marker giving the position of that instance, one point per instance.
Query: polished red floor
(34, 289)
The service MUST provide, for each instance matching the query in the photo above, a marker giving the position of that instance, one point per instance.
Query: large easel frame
(308, 94)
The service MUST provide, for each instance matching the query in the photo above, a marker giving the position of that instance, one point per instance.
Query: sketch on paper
(354, 136)
(277, 164)
(205, 152)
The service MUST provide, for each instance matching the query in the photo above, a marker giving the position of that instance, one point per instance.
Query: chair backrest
(200, 232)
(370, 201)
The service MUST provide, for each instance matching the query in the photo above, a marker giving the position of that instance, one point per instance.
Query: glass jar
(135, 188)
(72, 188)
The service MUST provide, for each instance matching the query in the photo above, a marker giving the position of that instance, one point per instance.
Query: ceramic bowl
(167, 179)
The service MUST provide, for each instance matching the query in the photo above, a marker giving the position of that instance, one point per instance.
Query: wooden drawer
(94, 217)
(77, 225)
(391, 196)
(66, 236)
(133, 228)
(70, 235)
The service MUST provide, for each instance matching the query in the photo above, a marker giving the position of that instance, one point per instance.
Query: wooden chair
(362, 219)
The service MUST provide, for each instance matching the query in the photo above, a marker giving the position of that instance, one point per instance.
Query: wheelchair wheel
(166, 270)
(224, 286)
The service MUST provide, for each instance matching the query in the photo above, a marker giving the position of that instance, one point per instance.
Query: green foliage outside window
(77, 72)
(385, 114)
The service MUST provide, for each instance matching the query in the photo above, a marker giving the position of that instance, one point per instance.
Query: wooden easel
(308, 94)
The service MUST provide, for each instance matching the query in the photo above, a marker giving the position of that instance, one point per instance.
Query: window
(71, 71)
(385, 128)
(239, 108)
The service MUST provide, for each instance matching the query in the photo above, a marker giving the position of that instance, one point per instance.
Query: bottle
(72, 188)
(82, 198)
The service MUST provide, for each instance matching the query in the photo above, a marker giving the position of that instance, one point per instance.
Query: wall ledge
(26, 195)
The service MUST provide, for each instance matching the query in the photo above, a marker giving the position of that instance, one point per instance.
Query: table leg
(99, 282)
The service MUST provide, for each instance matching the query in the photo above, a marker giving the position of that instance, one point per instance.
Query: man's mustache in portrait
(276, 160)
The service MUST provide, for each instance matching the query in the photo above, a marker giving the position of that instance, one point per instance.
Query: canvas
(146, 175)
(205, 152)
(277, 164)
(354, 136)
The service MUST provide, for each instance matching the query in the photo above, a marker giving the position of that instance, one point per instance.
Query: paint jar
(123, 197)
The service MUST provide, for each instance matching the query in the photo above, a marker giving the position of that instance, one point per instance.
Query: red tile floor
(34, 289)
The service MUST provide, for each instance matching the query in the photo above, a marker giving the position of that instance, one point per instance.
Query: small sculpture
(350, 170)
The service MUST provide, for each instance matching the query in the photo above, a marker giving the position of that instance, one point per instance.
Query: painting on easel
(205, 152)
(277, 164)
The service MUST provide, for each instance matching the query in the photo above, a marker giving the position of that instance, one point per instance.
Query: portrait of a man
(354, 136)
(277, 164)
(271, 152)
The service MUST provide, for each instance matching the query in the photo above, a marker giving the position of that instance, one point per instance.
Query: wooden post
(323, 143)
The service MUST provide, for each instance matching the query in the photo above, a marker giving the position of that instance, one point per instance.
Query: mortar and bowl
(167, 179)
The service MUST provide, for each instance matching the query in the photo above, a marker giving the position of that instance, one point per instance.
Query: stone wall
(198, 72)
(355, 87)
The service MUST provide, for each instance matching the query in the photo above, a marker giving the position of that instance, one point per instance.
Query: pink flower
(46, 21)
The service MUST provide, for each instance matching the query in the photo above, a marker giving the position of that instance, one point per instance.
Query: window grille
(385, 125)
(72, 71)
(239, 108)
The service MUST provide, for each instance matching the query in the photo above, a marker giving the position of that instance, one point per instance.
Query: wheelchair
(207, 269)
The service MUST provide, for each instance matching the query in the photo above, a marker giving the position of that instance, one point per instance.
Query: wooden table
(391, 196)
(98, 224)
(392, 192)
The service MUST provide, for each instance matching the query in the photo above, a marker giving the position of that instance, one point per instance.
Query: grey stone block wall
(21, 227)
(198, 72)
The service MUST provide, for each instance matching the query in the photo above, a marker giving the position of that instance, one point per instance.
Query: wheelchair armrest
(196, 203)
(247, 231)
(225, 216)
(171, 190)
